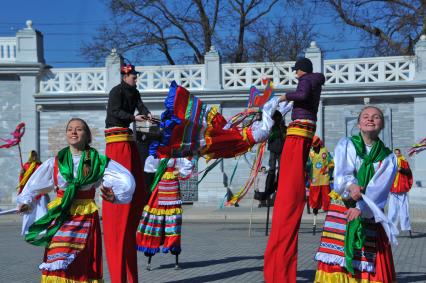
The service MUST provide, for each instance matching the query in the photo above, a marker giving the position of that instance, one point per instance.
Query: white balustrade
(369, 70)
(244, 75)
(234, 76)
(7, 49)
(158, 78)
(74, 80)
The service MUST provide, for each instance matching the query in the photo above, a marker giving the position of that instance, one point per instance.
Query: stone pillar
(113, 64)
(29, 63)
(420, 112)
(315, 55)
(29, 45)
(320, 126)
(212, 80)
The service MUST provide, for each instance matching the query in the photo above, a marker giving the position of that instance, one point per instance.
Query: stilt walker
(120, 221)
(281, 251)
(161, 221)
(319, 167)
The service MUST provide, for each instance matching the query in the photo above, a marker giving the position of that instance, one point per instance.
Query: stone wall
(10, 116)
(53, 124)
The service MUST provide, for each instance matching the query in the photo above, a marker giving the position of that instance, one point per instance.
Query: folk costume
(359, 250)
(161, 220)
(39, 207)
(121, 221)
(70, 230)
(398, 209)
(281, 251)
(320, 164)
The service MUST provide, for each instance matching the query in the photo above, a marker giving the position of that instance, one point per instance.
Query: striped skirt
(372, 263)
(161, 220)
(75, 251)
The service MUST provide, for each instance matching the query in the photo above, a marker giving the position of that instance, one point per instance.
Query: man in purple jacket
(281, 251)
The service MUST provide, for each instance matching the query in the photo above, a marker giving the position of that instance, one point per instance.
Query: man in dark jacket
(281, 252)
(121, 220)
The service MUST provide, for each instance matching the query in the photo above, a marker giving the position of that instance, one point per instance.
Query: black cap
(127, 69)
(303, 64)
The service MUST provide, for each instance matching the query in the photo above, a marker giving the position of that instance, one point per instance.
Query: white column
(314, 54)
(420, 111)
(30, 52)
(320, 116)
(212, 80)
(113, 64)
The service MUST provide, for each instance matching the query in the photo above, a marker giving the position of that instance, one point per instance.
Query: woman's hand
(352, 213)
(355, 192)
(107, 194)
(283, 98)
(24, 208)
(176, 172)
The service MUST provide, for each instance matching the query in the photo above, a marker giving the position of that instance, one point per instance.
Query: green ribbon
(162, 167)
(56, 216)
(355, 232)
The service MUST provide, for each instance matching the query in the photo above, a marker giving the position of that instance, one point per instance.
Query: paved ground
(213, 251)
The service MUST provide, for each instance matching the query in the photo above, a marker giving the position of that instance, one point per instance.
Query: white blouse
(184, 165)
(115, 176)
(373, 202)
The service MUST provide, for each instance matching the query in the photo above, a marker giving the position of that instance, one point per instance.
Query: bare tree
(162, 27)
(393, 26)
(248, 13)
(281, 42)
(153, 26)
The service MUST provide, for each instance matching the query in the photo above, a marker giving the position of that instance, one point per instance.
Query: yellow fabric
(160, 211)
(333, 235)
(339, 277)
(399, 159)
(168, 176)
(57, 279)
(212, 113)
(27, 174)
(78, 206)
(321, 165)
(334, 195)
(75, 246)
(294, 131)
(118, 138)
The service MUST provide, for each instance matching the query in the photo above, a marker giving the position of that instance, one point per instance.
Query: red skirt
(87, 265)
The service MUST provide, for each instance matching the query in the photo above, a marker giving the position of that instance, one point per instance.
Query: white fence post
(313, 52)
(113, 64)
(29, 45)
(213, 72)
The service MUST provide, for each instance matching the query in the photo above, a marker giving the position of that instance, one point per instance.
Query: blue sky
(66, 24)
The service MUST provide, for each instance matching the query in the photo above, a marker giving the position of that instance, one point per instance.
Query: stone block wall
(10, 117)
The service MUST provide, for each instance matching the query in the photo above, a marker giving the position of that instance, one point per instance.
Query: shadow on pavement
(306, 275)
(405, 277)
(196, 264)
(218, 276)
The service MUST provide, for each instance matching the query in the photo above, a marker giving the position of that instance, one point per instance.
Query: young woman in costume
(70, 230)
(161, 220)
(355, 244)
(39, 207)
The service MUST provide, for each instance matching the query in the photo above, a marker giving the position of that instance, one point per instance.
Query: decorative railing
(75, 80)
(244, 75)
(234, 76)
(7, 49)
(369, 70)
(152, 78)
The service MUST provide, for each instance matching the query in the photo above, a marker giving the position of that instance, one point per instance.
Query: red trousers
(281, 250)
(318, 197)
(121, 221)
